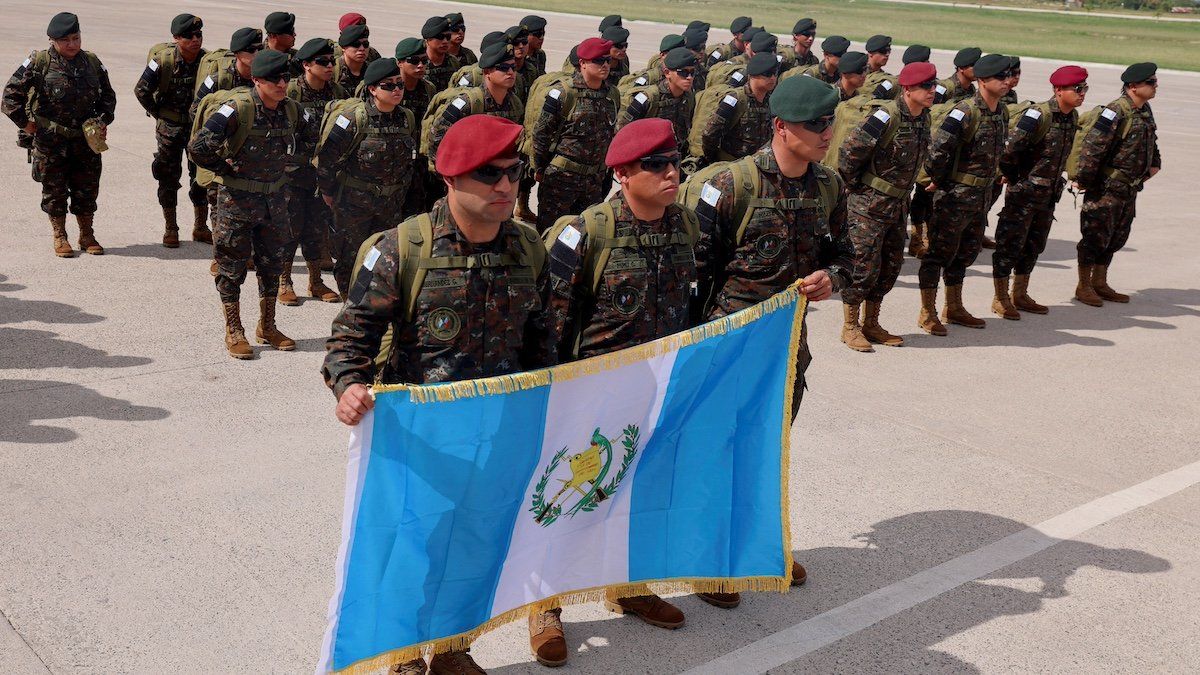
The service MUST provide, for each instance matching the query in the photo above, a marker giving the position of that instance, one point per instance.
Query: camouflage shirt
(793, 60)
(539, 62)
(231, 79)
(439, 75)
(584, 136)
(417, 100)
(382, 158)
(467, 322)
(675, 109)
(303, 174)
(345, 78)
(1010, 98)
(465, 56)
(177, 100)
(642, 293)
(863, 157)
(1034, 166)
(729, 135)
(511, 109)
(817, 70)
(617, 70)
(952, 157)
(950, 90)
(1105, 151)
(69, 92)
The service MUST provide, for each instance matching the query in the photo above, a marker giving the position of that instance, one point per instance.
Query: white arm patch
(729, 99)
(641, 80)
(882, 116)
(26, 62)
(463, 81)
(716, 52)
(641, 97)
(225, 110)
(958, 114)
(459, 103)
(554, 94)
(208, 82)
(153, 66)
(570, 237)
(940, 89)
(887, 85)
(371, 258)
(779, 58)
(342, 121)
(1109, 114)
(737, 77)
(307, 116)
(1033, 113)
(710, 195)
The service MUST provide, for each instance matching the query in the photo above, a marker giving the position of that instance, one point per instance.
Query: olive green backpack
(1087, 122)
(243, 104)
(850, 115)
(437, 107)
(937, 115)
(707, 102)
(350, 108)
(215, 64)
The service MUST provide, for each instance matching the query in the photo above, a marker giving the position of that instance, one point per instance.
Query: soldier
(879, 162)
(761, 43)
(964, 157)
(72, 101)
(440, 65)
(351, 19)
(1009, 99)
(246, 143)
(351, 66)
(518, 38)
(364, 164)
(653, 70)
(310, 218)
(280, 28)
(916, 54)
(696, 41)
(165, 90)
(799, 54)
(479, 311)
(852, 71)
(536, 26)
(1118, 155)
(458, 34)
(879, 82)
(735, 46)
(245, 43)
(426, 187)
(671, 99)
(833, 47)
(961, 85)
(495, 95)
(618, 55)
(741, 122)
(572, 134)
(1034, 158)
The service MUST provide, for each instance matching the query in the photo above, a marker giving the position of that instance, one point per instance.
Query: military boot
(876, 333)
(1100, 285)
(722, 600)
(852, 331)
(927, 320)
(267, 333)
(649, 608)
(235, 335)
(918, 242)
(1002, 304)
(171, 230)
(799, 574)
(523, 211)
(87, 237)
(954, 312)
(317, 287)
(200, 231)
(546, 639)
(287, 294)
(1084, 291)
(1021, 299)
(62, 245)
(455, 663)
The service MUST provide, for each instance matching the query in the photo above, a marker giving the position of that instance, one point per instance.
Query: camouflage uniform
(465, 57)
(439, 75)
(368, 182)
(526, 75)
(539, 62)
(643, 291)
(172, 127)
(426, 187)
(233, 79)
(511, 109)
(618, 69)
(311, 220)
(726, 138)
(570, 152)
(345, 78)
(1034, 171)
(792, 60)
(675, 109)
(960, 209)
(69, 93)
(948, 90)
(1111, 170)
(778, 247)
(468, 322)
(817, 70)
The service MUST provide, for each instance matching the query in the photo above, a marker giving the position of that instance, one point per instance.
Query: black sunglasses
(1003, 75)
(519, 42)
(192, 35)
(323, 60)
(685, 72)
(620, 45)
(253, 48)
(659, 163)
(1014, 72)
(417, 60)
(928, 85)
(1153, 82)
(361, 44)
(489, 174)
(537, 33)
(458, 28)
(390, 86)
(505, 67)
(1080, 89)
(885, 50)
(442, 36)
(600, 61)
(818, 125)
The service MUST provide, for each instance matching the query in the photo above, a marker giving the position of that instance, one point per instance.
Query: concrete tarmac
(169, 509)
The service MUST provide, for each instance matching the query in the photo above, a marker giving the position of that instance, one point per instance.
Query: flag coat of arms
(471, 504)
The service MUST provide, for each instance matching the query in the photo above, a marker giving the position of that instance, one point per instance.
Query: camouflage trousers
(242, 229)
(1021, 234)
(566, 193)
(69, 173)
(922, 202)
(878, 246)
(1105, 221)
(352, 225)
(167, 167)
(956, 227)
(311, 223)
(426, 188)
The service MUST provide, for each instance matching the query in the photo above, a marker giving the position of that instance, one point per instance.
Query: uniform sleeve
(307, 134)
(205, 147)
(714, 247)
(16, 92)
(566, 252)
(944, 144)
(1019, 144)
(715, 127)
(358, 330)
(333, 152)
(639, 104)
(1096, 146)
(546, 129)
(539, 348)
(457, 109)
(1156, 156)
(203, 88)
(837, 256)
(107, 107)
(146, 87)
(859, 146)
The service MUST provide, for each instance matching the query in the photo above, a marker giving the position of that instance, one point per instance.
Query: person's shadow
(35, 402)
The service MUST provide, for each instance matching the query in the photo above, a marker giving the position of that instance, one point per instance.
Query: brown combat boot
(287, 294)
(317, 287)
(455, 663)
(852, 331)
(171, 229)
(414, 667)
(927, 320)
(918, 241)
(87, 237)
(62, 245)
(722, 600)
(1021, 299)
(546, 639)
(649, 608)
(799, 574)
(954, 312)
(200, 231)
(1100, 285)
(876, 333)
(235, 335)
(267, 333)
(523, 211)
(1083, 290)
(1002, 304)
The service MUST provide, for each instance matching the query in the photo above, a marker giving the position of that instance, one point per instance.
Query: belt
(171, 116)
(374, 188)
(650, 240)
(971, 179)
(575, 167)
(880, 185)
(477, 261)
(1121, 177)
(789, 204)
(247, 185)
(57, 128)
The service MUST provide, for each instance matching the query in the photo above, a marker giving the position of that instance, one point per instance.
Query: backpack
(355, 108)
(937, 115)
(537, 100)
(215, 64)
(437, 107)
(164, 54)
(1017, 110)
(469, 76)
(1087, 122)
(243, 103)
(706, 106)
(639, 79)
(850, 115)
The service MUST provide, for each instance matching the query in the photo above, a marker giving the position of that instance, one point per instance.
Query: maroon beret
(1068, 76)
(639, 139)
(916, 73)
(474, 141)
(593, 48)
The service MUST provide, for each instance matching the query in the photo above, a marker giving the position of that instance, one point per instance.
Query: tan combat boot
(1002, 304)
(649, 608)
(267, 333)
(1100, 285)
(455, 663)
(927, 320)
(546, 639)
(1084, 291)
(200, 231)
(317, 287)
(235, 335)
(1021, 299)
(799, 574)
(722, 600)
(87, 237)
(954, 312)
(62, 245)
(876, 333)
(287, 294)
(852, 331)
(171, 229)
(918, 241)
(523, 211)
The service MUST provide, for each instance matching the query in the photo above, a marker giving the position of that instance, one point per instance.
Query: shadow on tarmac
(188, 250)
(36, 401)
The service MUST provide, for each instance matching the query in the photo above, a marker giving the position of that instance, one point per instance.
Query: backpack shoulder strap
(415, 242)
(747, 184)
(829, 187)
(41, 61)
(600, 223)
(533, 250)
(244, 105)
(475, 98)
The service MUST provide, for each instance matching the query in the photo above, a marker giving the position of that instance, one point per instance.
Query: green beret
(669, 42)
(740, 24)
(991, 65)
(680, 57)
(616, 35)
(878, 43)
(1014, 62)
(749, 33)
(494, 37)
(409, 47)
(762, 64)
(764, 42)
(314, 48)
(609, 21)
(916, 54)
(698, 24)
(269, 64)
(280, 23)
(456, 19)
(800, 99)
(1139, 72)
(965, 58)
(533, 22)
(852, 63)
(835, 45)
(514, 33)
(62, 25)
(435, 26)
(380, 69)
(186, 23)
(245, 38)
(695, 39)
(353, 33)
(803, 26)
(497, 53)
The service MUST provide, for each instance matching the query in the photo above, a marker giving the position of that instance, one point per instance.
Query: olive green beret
(245, 38)
(762, 64)
(533, 22)
(353, 33)
(269, 64)
(965, 58)
(764, 42)
(609, 21)
(62, 25)
(1014, 62)
(280, 23)
(380, 69)
(740, 24)
(878, 43)
(314, 48)
(497, 53)
(698, 24)
(514, 33)
(1139, 72)
(669, 42)
(434, 26)
(916, 54)
(410, 46)
(991, 65)
(494, 37)
(680, 57)
(803, 26)
(852, 63)
(800, 99)
(456, 19)
(835, 45)
(749, 33)
(186, 23)
(616, 35)
(695, 39)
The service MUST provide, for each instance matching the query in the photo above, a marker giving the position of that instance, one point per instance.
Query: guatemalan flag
(470, 504)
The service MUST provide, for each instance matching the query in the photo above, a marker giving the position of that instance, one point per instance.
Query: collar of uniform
(624, 214)
(444, 227)
(664, 87)
(765, 160)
